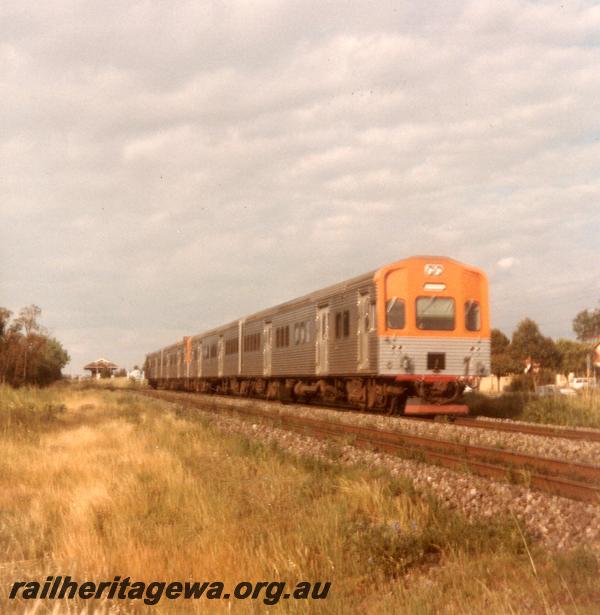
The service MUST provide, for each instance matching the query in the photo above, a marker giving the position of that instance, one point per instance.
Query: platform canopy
(100, 366)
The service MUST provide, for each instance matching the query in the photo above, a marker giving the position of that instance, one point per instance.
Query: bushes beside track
(506, 406)
(582, 410)
(579, 411)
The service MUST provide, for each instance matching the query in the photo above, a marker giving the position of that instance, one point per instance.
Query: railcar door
(221, 356)
(363, 331)
(322, 339)
(267, 348)
(199, 359)
(240, 347)
(187, 344)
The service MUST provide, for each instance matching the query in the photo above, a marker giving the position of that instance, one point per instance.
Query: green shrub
(394, 549)
(507, 406)
(581, 410)
(388, 549)
(520, 383)
(576, 564)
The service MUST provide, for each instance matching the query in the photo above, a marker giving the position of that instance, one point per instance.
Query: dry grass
(120, 382)
(96, 484)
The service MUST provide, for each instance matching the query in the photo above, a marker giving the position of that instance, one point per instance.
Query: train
(406, 338)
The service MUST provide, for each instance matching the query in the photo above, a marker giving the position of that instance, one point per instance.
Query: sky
(166, 167)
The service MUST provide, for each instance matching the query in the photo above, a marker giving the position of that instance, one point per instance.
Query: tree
(28, 318)
(528, 343)
(4, 320)
(10, 348)
(500, 342)
(53, 359)
(586, 325)
(31, 345)
(4, 325)
(573, 356)
(503, 362)
(27, 354)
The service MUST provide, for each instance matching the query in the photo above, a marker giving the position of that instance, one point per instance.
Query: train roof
(315, 296)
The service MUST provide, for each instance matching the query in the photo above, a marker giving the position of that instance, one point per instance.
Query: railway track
(589, 435)
(536, 430)
(573, 480)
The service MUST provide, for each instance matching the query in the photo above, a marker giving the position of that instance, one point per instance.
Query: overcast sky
(167, 167)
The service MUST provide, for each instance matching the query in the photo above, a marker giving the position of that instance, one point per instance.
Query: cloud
(508, 262)
(165, 168)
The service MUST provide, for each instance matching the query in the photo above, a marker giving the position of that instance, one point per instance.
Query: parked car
(567, 391)
(581, 383)
(549, 390)
(546, 390)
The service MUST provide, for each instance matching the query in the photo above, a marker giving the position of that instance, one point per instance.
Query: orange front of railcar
(417, 282)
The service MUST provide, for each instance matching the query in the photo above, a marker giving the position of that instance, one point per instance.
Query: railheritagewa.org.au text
(151, 593)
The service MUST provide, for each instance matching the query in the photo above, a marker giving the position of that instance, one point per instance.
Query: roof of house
(101, 364)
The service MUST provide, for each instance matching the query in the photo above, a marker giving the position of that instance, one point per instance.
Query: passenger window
(472, 316)
(338, 325)
(231, 346)
(395, 313)
(346, 323)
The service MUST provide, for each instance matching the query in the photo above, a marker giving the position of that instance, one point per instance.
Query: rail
(537, 430)
(573, 480)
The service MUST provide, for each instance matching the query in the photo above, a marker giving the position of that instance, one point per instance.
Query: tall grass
(120, 382)
(581, 410)
(107, 484)
(26, 412)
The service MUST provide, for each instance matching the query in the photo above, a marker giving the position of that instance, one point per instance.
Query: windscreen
(395, 313)
(472, 316)
(435, 313)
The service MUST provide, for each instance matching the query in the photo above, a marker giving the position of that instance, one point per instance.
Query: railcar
(406, 338)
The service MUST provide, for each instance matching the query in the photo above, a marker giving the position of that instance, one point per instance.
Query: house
(101, 368)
